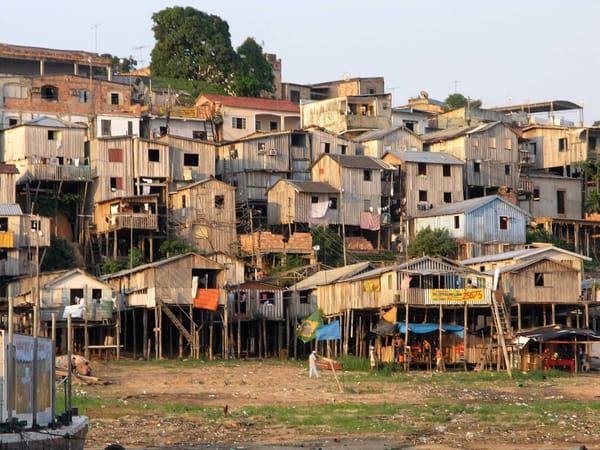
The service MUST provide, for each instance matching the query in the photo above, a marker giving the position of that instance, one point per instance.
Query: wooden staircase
(189, 337)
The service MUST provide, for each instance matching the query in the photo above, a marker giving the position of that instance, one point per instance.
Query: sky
(504, 52)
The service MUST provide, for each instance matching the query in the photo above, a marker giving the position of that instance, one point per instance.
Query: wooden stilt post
(145, 349)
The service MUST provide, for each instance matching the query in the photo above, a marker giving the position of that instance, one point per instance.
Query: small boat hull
(326, 365)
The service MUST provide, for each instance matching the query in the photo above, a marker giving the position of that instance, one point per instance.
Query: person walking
(312, 365)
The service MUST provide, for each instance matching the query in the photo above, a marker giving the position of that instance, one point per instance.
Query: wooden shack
(490, 152)
(202, 214)
(21, 238)
(542, 291)
(358, 178)
(302, 204)
(482, 226)
(190, 159)
(169, 288)
(89, 301)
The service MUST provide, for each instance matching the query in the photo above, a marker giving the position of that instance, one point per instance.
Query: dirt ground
(231, 387)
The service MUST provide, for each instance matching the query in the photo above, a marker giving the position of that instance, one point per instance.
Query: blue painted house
(482, 226)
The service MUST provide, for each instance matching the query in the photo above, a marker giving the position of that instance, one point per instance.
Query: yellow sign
(457, 296)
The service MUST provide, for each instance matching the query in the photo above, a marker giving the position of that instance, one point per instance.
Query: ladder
(503, 327)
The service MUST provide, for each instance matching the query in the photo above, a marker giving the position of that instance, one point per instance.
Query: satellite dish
(424, 94)
(346, 76)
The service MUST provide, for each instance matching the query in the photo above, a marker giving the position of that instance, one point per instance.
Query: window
(456, 222)
(257, 125)
(52, 135)
(314, 199)
(153, 155)
(325, 147)
(238, 122)
(115, 98)
(295, 97)
(492, 141)
(267, 298)
(129, 128)
(197, 134)
(162, 131)
(422, 169)
(447, 197)
(274, 126)
(342, 149)
(367, 175)
(191, 159)
(367, 205)
(332, 202)
(560, 202)
(115, 155)
(3, 223)
(12, 122)
(503, 222)
(508, 143)
(262, 148)
(536, 194)
(35, 225)
(219, 201)
(15, 91)
(3, 254)
(447, 170)
(562, 144)
(422, 196)
(116, 183)
(49, 92)
(83, 96)
(476, 166)
(507, 169)
(106, 127)
(538, 279)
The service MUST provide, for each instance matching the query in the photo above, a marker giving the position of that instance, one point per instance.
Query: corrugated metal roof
(361, 162)
(380, 134)
(329, 276)
(10, 209)
(51, 122)
(527, 263)
(427, 157)
(522, 253)
(265, 104)
(467, 206)
(451, 133)
(162, 262)
(316, 187)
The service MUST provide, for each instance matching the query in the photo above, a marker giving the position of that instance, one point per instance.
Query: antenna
(140, 48)
(95, 28)
(455, 83)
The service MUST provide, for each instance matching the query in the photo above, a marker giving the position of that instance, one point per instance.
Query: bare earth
(230, 387)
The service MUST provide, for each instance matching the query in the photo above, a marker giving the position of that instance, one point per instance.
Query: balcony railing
(55, 172)
(135, 221)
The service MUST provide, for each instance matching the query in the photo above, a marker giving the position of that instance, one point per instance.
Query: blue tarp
(329, 332)
(422, 328)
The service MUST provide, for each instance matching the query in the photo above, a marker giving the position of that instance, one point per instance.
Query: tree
(121, 65)
(331, 246)
(59, 255)
(255, 73)
(591, 172)
(456, 100)
(174, 246)
(192, 45)
(432, 242)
